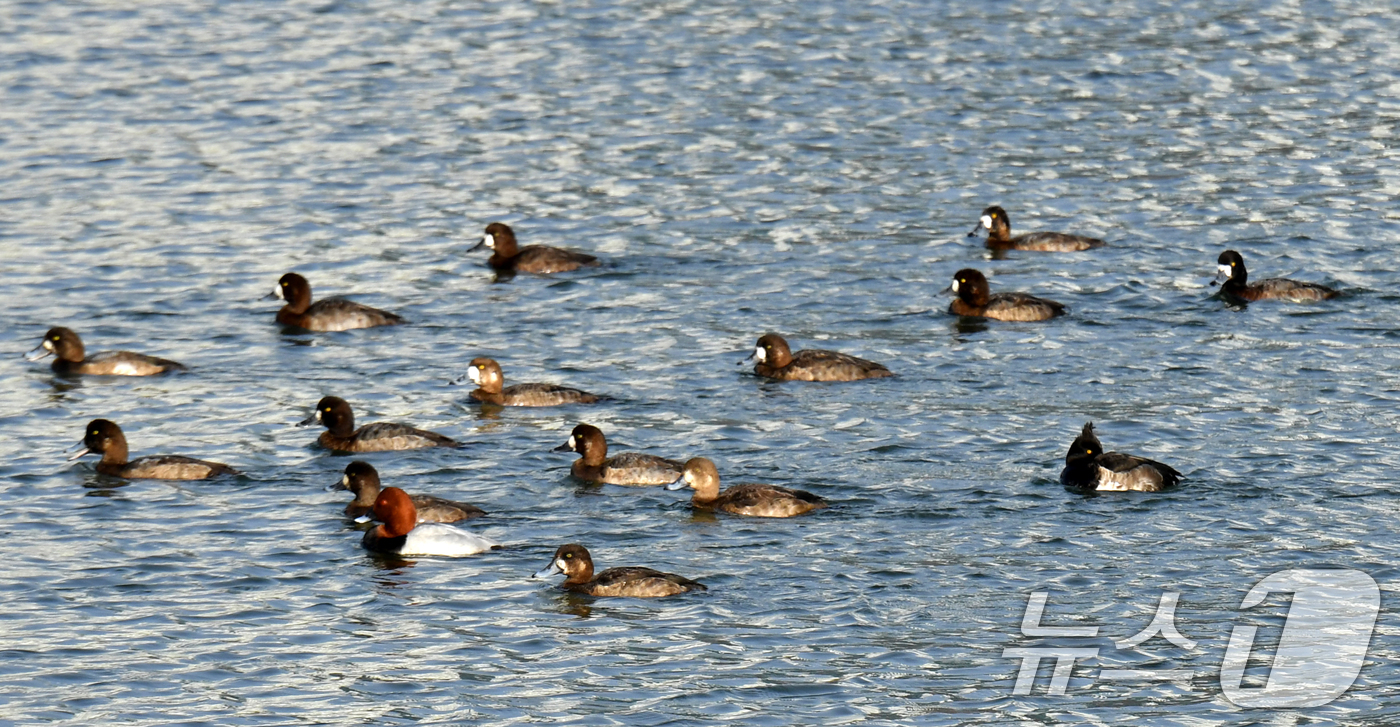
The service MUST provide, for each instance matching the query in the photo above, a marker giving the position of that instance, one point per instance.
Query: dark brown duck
(362, 479)
(1230, 268)
(574, 562)
(105, 438)
(71, 358)
(486, 374)
(998, 226)
(342, 436)
(975, 300)
(628, 468)
(331, 314)
(753, 500)
(1088, 467)
(773, 359)
(540, 259)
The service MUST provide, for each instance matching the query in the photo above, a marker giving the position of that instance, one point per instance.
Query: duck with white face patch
(487, 376)
(774, 360)
(627, 468)
(1230, 268)
(71, 358)
(330, 314)
(575, 563)
(509, 257)
(998, 225)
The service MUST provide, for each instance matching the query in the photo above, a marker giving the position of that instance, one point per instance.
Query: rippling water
(809, 169)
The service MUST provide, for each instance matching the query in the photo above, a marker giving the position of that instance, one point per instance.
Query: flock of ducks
(414, 525)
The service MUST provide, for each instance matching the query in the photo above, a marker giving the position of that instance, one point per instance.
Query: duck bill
(552, 570)
(310, 420)
(477, 246)
(459, 380)
(338, 486)
(680, 484)
(563, 448)
(39, 352)
(80, 453)
(1222, 274)
(976, 230)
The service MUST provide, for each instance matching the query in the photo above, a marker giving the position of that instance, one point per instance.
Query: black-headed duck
(628, 468)
(540, 259)
(68, 349)
(487, 376)
(105, 438)
(998, 226)
(362, 479)
(1088, 467)
(342, 436)
(753, 500)
(574, 562)
(975, 300)
(331, 314)
(773, 359)
(1230, 268)
(401, 533)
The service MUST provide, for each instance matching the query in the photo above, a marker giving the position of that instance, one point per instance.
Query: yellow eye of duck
(568, 556)
(56, 337)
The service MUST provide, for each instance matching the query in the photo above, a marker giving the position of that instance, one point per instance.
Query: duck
(575, 563)
(1088, 467)
(329, 315)
(539, 259)
(774, 360)
(975, 300)
(70, 358)
(752, 500)
(106, 438)
(998, 226)
(628, 468)
(1230, 268)
(486, 374)
(342, 436)
(362, 479)
(399, 531)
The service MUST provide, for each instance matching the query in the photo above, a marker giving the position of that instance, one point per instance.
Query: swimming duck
(752, 500)
(400, 532)
(105, 438)
(342, 436)
(628, 468)
(975, 299)
(362, 479)
(331, 314)
(1088, 467)
(1230, 268)
(998, 226)
(539, 259)
(486, 374)
(574, 562)
(773, 359)
(68, 349)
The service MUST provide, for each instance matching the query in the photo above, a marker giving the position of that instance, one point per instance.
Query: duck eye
(567, 556)
(56, 337)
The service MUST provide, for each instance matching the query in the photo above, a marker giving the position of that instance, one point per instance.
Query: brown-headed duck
(486, 374)
(541, 259)
(342, 436)
(362, 479)
(331, 314)
(1230, 268)
(773, 359)
(105, 438)
(998, 227)
(65, 345)
(975, 300)
(574, 562)
(628, 468)
(401, 533)
(753, 500)
(1088, 467)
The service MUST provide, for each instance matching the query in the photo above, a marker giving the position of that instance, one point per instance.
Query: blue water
(808, 169)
